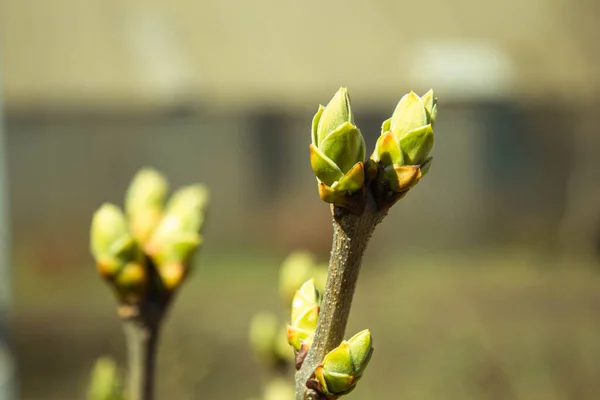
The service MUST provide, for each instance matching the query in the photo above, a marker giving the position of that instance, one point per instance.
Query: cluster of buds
(342, 367)
(152, 244)
(305, 316)
(400, 159)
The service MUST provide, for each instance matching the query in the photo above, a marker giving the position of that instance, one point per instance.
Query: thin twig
(351, 234)
(142, 340)
(142, 322)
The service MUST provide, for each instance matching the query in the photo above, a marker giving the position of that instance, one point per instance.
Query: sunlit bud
(337, 151)
(305, 315)
(343, 366)
(144, 202)
(111, 244)
(105, 382)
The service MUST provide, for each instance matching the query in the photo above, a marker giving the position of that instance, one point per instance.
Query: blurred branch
(142, 340)
(145, 255)
(142, 323)
(7, 374)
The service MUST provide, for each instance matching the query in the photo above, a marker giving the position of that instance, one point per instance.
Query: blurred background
(483, 283)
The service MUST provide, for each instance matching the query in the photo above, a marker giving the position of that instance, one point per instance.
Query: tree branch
(351, 234)
(141, 322)
(142, 340)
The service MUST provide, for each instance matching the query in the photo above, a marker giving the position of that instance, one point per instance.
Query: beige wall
(108, 52)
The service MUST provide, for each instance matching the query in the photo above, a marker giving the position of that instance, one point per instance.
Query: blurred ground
(477, 325)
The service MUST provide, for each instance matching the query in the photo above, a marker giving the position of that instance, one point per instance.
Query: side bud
(111, 244)
(337, 152)
(343, 366)
(305, 316)
(401, 155)
(144, 202)
(105, 382)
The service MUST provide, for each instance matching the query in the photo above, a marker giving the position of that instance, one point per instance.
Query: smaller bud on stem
(305, 316)
(343, 367)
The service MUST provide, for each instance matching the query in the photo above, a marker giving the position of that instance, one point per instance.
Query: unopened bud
(144, 202)
(105, 382)
(406, 141)
(343, 366)
(305, 315)
(177, 235)
(337, 151)
(111, 244)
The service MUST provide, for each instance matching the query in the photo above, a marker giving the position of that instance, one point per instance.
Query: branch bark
(141, 322)
(351, 235)
(142, 340)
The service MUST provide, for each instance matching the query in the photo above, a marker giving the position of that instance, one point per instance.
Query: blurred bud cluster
(153, 242)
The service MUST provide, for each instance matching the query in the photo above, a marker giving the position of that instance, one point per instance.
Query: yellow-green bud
(111, 244)
(337, 112)
(305, 315)
(337, 151)
(144, 202)
(105, 382)
(296, 269)
(177, 235)
(406, 141)
(132, 282)
(344, 366)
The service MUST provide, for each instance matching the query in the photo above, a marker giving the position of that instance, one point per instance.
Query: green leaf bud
(361, 350)
(409, 114)
(177, 235)
(337, 149)
(406, 140)
(105, 382)
(111, 244)
(336, 113)
(144, 202)
(416, 145)
(131, 283)
(343, 366)
(305, 316)
(430, 102)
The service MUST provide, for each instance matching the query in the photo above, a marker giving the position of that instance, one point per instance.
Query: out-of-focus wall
(115, 52)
